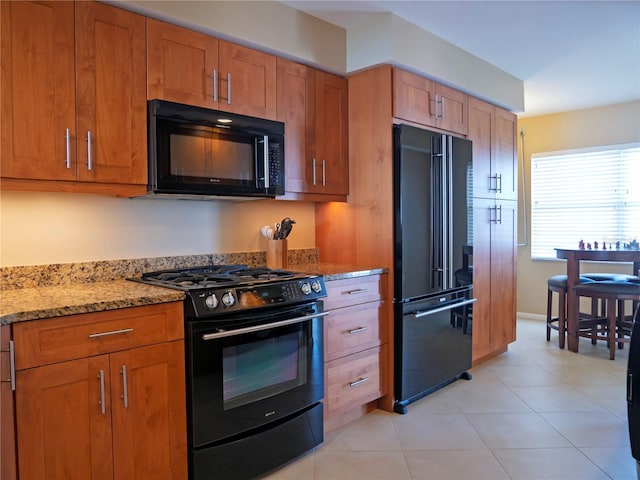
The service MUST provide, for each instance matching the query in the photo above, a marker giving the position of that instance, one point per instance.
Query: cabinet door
(413, 97)
(8, 469)
(505, 154)
(111, 88)
(181, 65)
(38, 124)
(149, 412)
(63, 420)
(482, 341)
(481, 126)
(453, 110)
(247, 81)
(332, 134)
(296, 108)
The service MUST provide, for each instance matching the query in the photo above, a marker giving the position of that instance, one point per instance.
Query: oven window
(259, 369)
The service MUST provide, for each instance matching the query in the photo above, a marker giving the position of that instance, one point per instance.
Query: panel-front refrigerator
(433, 292)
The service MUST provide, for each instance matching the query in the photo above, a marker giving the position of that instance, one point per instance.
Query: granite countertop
(33, 302)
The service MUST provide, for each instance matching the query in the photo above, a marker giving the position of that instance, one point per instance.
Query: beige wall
(614, 124)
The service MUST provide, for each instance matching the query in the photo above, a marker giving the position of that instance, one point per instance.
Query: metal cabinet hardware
(359, 382)
(215, 85)
(102, 404)
(498, 183)
(12, 365)
(313, 169)
(112, 332)
(357, 291)
(229, 88)
(324, 173)
(125, 388)
(89, 161)
(67, 137)
(358, 330)
(495, 214)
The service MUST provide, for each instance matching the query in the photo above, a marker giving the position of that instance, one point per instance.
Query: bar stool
(613, 293)
(558, 284)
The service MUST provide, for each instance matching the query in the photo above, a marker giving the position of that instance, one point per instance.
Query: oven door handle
(257, 328)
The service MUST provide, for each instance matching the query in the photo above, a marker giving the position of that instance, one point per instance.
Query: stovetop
(218, 289)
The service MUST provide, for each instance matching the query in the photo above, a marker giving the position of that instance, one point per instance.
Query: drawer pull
(12, 363)
(358, 382)
(357, 291)
(103, 407)
(358, 330)
(112, 332)
(125, 389)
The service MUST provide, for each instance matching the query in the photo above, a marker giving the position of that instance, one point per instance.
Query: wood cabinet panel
(65, 338)
(111, 94)
(181, 64)
(38, 90)
(353, 381)
(8, 458)
(354, 291)
(63, 429)
(150, 428)
(352, 329)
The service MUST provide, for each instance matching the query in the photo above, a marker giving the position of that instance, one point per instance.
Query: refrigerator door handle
(444, 185)
(451, 306)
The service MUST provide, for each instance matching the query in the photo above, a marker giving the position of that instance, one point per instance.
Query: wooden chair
(558, 284)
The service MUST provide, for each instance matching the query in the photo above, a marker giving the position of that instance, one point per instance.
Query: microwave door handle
(266, 161)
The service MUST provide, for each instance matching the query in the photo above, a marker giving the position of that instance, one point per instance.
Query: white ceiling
(570, 54)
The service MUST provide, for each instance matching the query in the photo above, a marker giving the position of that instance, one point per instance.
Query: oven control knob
(211, 301)
(306, 288)
(228, 300)
(316, 286)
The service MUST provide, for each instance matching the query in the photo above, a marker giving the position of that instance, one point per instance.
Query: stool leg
(594, 318)
(549, 300)
(611, 333)
(562, 318)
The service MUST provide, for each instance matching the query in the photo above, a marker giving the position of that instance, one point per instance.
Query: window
(589, 194)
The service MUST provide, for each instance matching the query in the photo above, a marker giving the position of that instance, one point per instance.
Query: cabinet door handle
(67, 137)
(112, 332)
(215, 85)
(12, 365)
(435, 103)
(103, 407)
(89, 161)
(125, 389)
(359, 382)
(357, 291)
(313, 169)
(358, 330)
(498, 178)
(229, 88)
(442, 108)
(324, 173)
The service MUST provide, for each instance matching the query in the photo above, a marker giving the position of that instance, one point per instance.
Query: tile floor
(535, 412)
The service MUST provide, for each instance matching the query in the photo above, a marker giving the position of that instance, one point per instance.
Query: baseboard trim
(531, 316)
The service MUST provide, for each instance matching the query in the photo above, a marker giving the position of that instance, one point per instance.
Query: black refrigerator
(633, 389)
(433, 262)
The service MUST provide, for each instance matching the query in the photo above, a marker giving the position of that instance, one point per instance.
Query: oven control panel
(226, 300)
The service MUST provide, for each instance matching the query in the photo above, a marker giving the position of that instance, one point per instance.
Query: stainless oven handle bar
(258, 328)
(442, 309)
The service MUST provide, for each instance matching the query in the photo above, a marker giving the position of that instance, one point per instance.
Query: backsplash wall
(45, 228)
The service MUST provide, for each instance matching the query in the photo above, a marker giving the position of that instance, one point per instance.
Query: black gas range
(254, 366)
(216, 290)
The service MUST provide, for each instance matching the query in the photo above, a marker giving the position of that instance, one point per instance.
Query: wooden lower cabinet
(355, 348)
(118, 414)
(8, 469)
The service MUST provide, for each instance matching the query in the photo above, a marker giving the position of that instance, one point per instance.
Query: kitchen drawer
(353, 380)
(41, 342)
(353, 291)
(352, 329)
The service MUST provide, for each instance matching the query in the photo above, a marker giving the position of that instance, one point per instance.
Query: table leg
(573, 272)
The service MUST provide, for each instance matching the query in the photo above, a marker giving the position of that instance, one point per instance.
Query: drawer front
(352, 381)
(352, 329)
(42, 342)
(353, 291)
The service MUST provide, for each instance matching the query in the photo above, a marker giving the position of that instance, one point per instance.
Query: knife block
(277, 254)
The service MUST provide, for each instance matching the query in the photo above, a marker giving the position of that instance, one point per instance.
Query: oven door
(250, 370)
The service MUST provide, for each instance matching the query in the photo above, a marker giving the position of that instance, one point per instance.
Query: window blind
(589, 194)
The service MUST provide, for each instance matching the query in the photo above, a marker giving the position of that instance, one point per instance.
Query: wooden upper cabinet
(495, 160)
(313, 105)
(421, 100)
(189, 67)
(73, 103)
(111, 93)
(38, 122)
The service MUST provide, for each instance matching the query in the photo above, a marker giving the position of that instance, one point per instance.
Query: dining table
(574, 256)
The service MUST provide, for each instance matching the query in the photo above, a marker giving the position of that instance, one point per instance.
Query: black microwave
(199, 152)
